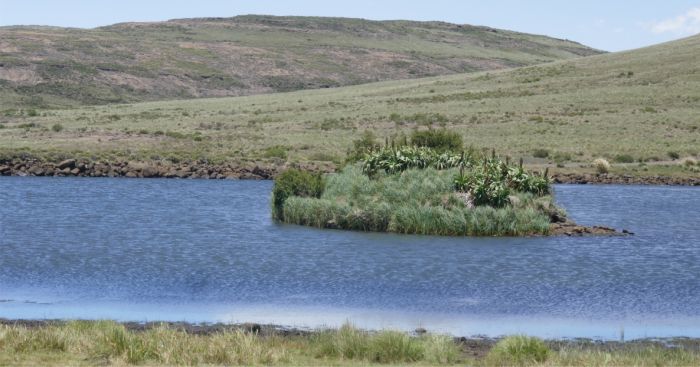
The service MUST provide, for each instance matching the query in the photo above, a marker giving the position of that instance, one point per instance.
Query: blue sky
(605, 24)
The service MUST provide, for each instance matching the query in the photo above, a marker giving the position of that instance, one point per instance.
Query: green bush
(518, 350)
(490, 182)
(366, 144)
(674, 155)
(540, 153)
(57, 127)
(277, 151)
(441, 140)
(624, 158)
(294, 182)
(396, 160)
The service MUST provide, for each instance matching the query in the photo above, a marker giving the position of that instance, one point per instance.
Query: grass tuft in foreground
(519, 350)
(91, 343)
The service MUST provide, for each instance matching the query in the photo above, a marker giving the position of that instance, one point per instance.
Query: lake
(207, 251)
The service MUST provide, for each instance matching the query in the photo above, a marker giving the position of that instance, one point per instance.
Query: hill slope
(188, 58)
(636, 105)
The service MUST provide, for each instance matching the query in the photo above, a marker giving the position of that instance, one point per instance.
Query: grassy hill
(189, 58)
(632, 106)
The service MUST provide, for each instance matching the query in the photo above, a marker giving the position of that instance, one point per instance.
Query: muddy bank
(257, 171)
(574, 230)
(156, 169)
(607, 178)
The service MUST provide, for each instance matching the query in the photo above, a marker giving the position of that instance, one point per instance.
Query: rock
(36, 171)
(251, 327)
(150, 171)
(75, 171)
(136, 166)
(68, 163)
(4, 169)
(131, 174)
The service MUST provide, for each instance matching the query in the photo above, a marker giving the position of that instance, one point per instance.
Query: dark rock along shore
(136, 169)
(257, 171)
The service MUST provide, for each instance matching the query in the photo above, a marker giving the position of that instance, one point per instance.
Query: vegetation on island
(89, 343)
(427, 189)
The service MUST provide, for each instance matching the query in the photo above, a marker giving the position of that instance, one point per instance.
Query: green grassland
(90, 343)
(632, 107)
(210, 57)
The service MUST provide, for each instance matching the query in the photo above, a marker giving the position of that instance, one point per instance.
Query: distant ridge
(252, 54)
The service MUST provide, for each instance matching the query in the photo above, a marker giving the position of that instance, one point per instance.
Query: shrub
(491, 181)
(518, 350)
(294, 182)
(689, 161)
(175, 135)
(441, 140)
(395, 346)
(540, 153)
(624, 158)
(674, 155)
(396, 160)
(57, 127)
(277, 151)
(367, 143)
(601, 165)
(561, 157)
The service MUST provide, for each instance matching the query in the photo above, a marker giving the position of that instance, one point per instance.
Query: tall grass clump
(689, 162)
(601, 165)
(518, 350)
(294, 182)
(441, 140)
(386, 346)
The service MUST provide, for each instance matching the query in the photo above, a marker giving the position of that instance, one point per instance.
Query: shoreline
(262, 171)
(476, 346)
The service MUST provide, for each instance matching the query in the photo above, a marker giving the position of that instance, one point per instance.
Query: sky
(610, 25)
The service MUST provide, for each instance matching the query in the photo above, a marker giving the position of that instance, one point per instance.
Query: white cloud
(685, 24)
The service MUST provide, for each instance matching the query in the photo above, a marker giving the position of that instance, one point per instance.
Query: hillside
(189, 58)
(634, 106)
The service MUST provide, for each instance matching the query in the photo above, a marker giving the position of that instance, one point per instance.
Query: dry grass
(89, 343)
(641, 104)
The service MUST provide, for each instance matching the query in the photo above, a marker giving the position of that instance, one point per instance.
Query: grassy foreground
(110, 343)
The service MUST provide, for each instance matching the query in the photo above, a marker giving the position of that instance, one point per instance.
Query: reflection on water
(207, 251)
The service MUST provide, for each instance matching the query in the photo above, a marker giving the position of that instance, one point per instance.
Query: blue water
(207, 251)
